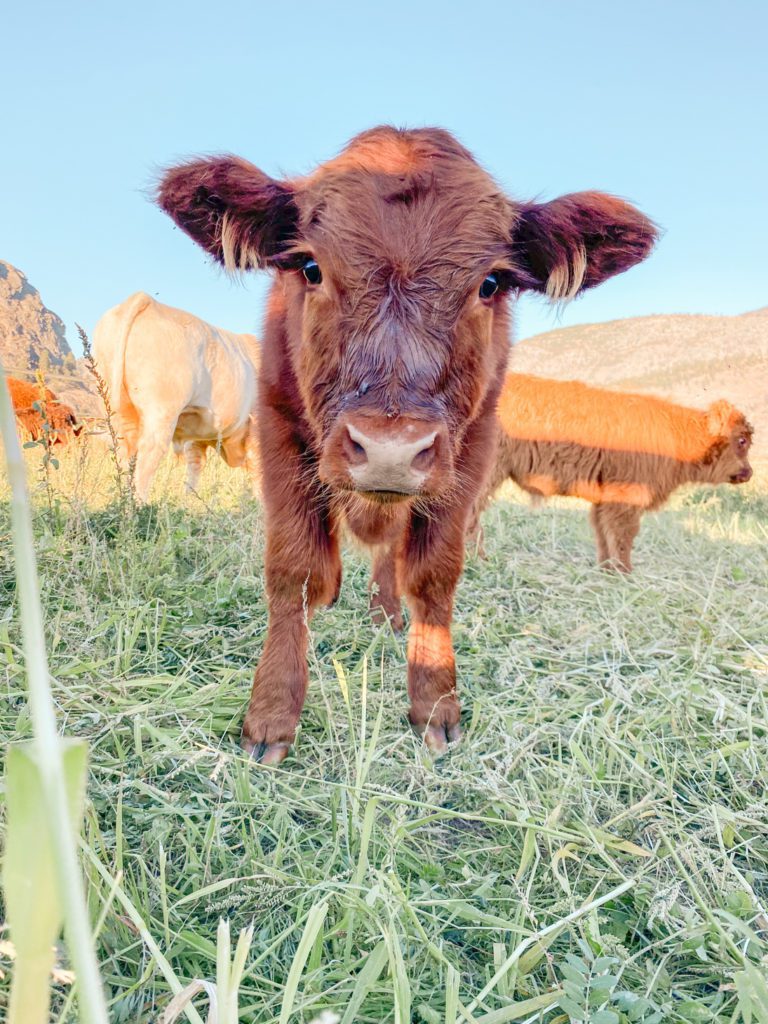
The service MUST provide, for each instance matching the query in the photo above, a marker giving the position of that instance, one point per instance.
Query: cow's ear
(238, 214)
(721, 418)
(577, 241)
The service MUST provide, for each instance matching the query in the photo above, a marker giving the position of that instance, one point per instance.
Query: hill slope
(33, 337)
(27, 327)
(692, 359)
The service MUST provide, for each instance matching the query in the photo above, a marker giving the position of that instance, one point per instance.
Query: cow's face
(730, 464)
(63, 421)
(402, 267)
(395, 263)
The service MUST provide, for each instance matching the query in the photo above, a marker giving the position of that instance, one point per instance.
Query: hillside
(692, 359)
(33, 337)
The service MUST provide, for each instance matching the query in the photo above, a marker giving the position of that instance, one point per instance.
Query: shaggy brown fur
(61, 419)
(395, 341)
(624, 453)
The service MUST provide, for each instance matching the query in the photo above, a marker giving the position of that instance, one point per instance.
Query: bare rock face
(33, 338)
(27, 327)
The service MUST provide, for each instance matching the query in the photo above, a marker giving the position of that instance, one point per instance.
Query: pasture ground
(615, 738)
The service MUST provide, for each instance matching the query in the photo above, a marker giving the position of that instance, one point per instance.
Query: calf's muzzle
(377, 454)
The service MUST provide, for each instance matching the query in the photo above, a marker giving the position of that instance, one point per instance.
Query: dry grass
(615, 741)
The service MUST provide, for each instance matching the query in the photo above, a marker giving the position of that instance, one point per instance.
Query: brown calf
(61, 420)
(624, 453)
(385, 347)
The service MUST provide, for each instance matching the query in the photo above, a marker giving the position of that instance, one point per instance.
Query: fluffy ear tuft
(578, 241)
(722, 418)
(238, 214)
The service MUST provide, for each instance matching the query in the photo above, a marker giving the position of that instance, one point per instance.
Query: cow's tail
(128, 311)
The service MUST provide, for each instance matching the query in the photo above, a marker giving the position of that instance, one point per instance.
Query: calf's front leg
(600, 538)
(431, 565)
(385, 604)
(620, 525)
(303, 570)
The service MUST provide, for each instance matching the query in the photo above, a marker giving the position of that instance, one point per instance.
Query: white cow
(173, 378)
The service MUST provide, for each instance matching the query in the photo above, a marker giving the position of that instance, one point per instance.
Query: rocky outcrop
(27, 327)
(33, 337)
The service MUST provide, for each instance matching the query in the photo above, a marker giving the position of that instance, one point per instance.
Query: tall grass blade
(366, 979)
(33, 904)
(223, 1004)
(400, 983)
(451, 995)
(91, 1002)
(138, 923)
(315, 919)
(182, 1000)
(517, 1011)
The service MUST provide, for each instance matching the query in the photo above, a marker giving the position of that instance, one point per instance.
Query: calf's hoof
(265, 753)
(267, 741)
(440, 728)
(437, 737)
(615, 566)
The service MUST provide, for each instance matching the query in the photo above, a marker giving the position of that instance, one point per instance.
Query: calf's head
(732, 435)
(395, 261)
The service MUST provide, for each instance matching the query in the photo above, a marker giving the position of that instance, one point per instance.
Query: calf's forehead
(452, 214)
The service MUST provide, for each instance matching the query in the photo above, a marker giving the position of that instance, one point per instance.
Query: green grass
(615, 737)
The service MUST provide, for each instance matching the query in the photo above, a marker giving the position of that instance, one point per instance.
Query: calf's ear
(721, 418)
(238, 214)
(577, 241)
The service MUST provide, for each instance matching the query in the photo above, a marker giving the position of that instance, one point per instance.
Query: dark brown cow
(385, 346)
(625, 453)
(62, 421)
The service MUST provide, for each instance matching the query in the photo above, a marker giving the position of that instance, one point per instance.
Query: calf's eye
(489, 287)
(312, 272)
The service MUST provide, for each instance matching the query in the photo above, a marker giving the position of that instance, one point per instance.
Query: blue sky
(661, 102)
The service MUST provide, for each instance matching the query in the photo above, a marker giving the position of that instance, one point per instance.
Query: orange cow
(61, 418)
(624, 453)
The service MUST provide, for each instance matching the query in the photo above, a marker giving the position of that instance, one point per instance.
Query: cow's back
(110, 339)
(165, 364)
(552, 411)
(23, 394)
(143, 346)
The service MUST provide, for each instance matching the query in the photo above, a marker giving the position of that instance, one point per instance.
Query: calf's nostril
(354, 451)
(424, 459)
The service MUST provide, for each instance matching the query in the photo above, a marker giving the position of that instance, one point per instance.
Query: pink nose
(396, 460)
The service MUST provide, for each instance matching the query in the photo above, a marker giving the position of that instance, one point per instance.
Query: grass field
(615, 744)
